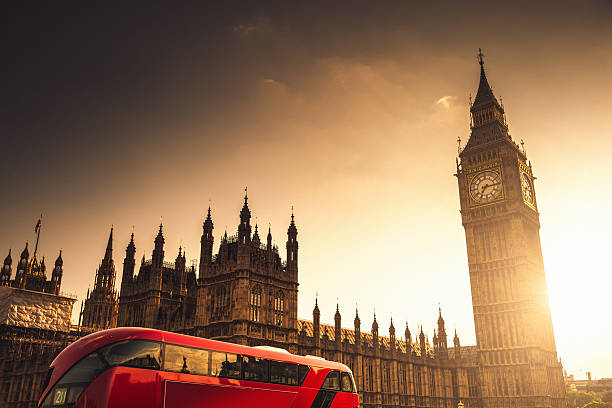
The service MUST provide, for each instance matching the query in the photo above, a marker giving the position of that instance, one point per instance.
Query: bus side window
(185, 360)
(255, 369)
(346, 382)
(304, 370)
(133, 353)
(226, 365)
(283, 373)
(332, 381)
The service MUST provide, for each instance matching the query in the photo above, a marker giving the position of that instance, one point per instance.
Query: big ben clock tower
(499, 212)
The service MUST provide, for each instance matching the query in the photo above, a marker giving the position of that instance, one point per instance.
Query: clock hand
(488, 185)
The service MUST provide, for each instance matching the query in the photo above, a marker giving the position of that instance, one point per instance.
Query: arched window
(279, 307)
(255, 304)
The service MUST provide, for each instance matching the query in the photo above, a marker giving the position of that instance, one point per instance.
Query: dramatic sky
(348, 112)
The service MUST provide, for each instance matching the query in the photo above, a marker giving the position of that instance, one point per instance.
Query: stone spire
(338, 323)
(158, 252)
(256, 239)
(105, 276)
(408, 336)
(206, 244)
(109, 246)
(25, 254)
(375, 331)
(56, 275)
(484, 95)
(269, 239)
(129, 263)
(5, 275)
(316, 322)
(392, 334)
(442, 338)
(457, 344)
(357, 323)
(422, 343)
(292, 248)
(488, 120)
(244, 229)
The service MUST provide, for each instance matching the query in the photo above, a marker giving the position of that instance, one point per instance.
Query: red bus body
(133, 387)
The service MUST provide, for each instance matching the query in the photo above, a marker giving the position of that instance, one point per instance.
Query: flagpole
(37, 235)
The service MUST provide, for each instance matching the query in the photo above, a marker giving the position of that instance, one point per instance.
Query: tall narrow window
(255, 304)
(279, 307)
(220, 302)
(370, 376)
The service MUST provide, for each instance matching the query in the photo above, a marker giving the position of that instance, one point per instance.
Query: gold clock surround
(482, 180)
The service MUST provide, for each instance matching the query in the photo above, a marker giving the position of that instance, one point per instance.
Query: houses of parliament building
(245, 293)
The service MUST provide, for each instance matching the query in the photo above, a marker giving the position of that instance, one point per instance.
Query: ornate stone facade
(31, 274)
(246, 294)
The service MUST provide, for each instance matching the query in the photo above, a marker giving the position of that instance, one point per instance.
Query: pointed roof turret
(131, 247)
(316, 308)
(337, 316)
(159, 239)
(109, 246)
(256, 235)
(357, 319)
(488, 121)
(25, 254)
(59, 261)
(208, 223)
(374, 323)
(8, 260)
(245, 213)
(484, 95)
(269, 238)
(292, 228)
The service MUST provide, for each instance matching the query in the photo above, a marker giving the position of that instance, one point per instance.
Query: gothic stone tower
(246, 294)
(100, 310)
(514, 332)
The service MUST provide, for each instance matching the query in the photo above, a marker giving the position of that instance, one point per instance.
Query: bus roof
(86, 345)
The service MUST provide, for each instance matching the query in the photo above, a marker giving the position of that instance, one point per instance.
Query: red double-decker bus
(136, 367)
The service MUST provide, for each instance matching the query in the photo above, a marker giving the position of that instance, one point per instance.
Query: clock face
(527, 188)
(486, 186)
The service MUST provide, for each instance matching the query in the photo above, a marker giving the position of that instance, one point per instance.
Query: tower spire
(487, 119)
(109, 246)
(244, 229)
(485, 93)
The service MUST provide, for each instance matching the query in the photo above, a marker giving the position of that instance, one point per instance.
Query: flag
(37, 226)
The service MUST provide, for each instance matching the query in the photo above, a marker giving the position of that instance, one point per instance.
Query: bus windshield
(132, 353)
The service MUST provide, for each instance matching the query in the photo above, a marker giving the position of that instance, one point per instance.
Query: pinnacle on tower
(25, 254)
(256, 234)
(130, 250)
(160, 235)
(8, 260)
(269, 238)
(59, 261)
(208, 223)
(487, 116)
(109, 246)
(292, 228)
(484, 95)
